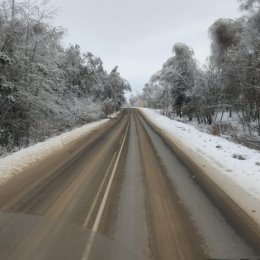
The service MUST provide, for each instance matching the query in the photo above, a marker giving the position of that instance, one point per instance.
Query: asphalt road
(120, 193)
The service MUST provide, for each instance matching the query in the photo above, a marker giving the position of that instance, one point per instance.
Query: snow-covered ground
(18, 161)
(231, 129)
(237, 167)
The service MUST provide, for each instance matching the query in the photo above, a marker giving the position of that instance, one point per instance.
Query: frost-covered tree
(44, 87)
(114, 88)
(176, 78)
(205, 96)
(229, 82)
(224, 33)
(235, 54)
(251, 5)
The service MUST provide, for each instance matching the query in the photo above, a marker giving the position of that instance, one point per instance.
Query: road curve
(120, 193)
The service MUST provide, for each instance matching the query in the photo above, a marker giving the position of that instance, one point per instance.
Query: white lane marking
(98, 194)
(87, 251)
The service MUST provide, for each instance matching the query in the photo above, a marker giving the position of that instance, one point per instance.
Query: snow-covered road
(120, 179)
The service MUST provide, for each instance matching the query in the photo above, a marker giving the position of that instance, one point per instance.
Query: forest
(229, 82)
(46, 88)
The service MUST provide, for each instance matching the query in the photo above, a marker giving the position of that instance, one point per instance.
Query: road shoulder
(238, 207)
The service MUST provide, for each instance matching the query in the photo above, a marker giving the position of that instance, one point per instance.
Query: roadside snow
(114, 115)
(235, 162)
(17, 162)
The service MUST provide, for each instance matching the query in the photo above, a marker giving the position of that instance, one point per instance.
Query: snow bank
(17, 162)
(114, 115)
(235, 168)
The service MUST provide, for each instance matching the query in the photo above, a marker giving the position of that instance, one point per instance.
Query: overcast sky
(138, 35)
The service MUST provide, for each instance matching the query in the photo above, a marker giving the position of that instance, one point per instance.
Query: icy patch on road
(238, 163)
(17, 162)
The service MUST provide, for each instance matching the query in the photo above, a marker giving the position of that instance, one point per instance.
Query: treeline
(230, 81)
(45, 88)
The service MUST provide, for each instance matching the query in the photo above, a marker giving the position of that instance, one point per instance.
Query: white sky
(138, 35)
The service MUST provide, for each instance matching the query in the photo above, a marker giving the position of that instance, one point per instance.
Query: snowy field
(237, 167)
(21, 160)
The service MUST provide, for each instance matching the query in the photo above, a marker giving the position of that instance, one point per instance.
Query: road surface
(120, 194)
